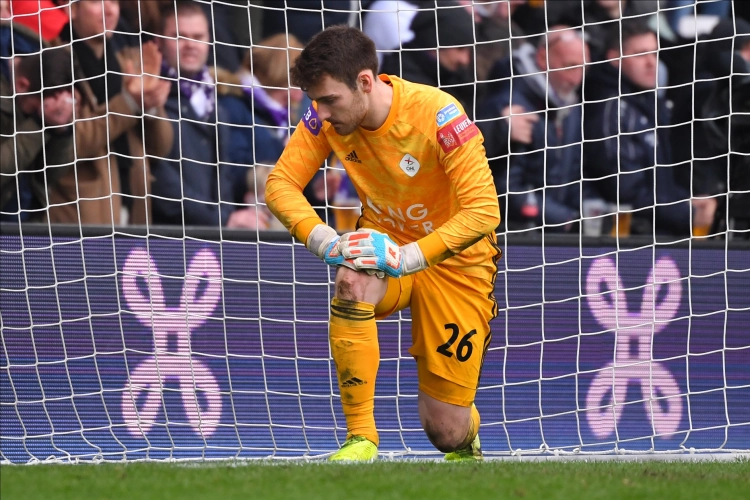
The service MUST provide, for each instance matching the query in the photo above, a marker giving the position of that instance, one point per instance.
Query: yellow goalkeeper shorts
(451, 315)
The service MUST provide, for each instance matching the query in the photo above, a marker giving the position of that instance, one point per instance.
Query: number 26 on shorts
(464, 349)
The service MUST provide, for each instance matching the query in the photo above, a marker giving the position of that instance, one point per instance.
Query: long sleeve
(471, 179)
(95, 130)
(18, 151)
(158, 134)
(618, 161)
(299, 162)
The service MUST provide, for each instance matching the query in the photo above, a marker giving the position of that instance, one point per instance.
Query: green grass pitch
(382, 480)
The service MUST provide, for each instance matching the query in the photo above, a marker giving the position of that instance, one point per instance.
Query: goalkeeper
(425, 240)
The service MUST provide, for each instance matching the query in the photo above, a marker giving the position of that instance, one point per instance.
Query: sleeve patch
(447, 114)
(456, 133)
(312, 122)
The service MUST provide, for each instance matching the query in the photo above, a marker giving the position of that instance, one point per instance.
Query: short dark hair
(338, 51)
(48, 70)
(630, 28)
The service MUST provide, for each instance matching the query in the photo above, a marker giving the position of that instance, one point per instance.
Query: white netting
(177, 319)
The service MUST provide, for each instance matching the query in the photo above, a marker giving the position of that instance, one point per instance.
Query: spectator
(46, 17)
(114, 178)
(144, 17)
(497, 120)
(535, 17)
(596, 19)
(450, 66)
(622, 109)
(231, 38)
(191, 187)
(303, 18)
(15, 39)
(388, 24)
(699, 170)
(37, 139)
(258, 104)
(680, 9)
(544, 178)
(497, 34)
(727, 68)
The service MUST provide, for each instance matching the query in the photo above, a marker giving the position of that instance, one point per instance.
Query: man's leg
(353, 336)
(451, 316)
(449, 427)
(448, 416)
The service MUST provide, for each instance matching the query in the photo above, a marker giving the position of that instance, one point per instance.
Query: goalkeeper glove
(377, 253)
(323, 241)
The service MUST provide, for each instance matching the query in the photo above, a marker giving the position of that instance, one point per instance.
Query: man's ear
(367, 80)
(541, 58)
(22, 84)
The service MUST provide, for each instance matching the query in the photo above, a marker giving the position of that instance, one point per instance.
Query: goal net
(618, 332)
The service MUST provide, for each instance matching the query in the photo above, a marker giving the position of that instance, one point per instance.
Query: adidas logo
(354, 381)
(353, 157)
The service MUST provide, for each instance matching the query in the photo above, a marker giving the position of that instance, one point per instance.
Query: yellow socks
(473, 427)
(354, 345)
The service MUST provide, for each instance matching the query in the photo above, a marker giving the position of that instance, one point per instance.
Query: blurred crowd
(587, 107)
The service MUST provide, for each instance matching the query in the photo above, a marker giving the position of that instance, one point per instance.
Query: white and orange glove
(376, 253)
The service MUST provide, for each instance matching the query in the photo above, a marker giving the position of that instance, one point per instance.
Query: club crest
(409, 165)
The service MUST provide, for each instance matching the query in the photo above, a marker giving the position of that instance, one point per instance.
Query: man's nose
(323, 113)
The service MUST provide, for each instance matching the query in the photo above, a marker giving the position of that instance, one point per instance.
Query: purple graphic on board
(634, 331)
(197, 385)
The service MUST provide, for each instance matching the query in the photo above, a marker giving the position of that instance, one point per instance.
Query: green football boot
(356, 449)
(471, 453)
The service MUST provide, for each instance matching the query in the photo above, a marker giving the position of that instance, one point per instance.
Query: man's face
(567, 56)
(92, 18)
(339, 105)
(192, 44)
(454, 58)
(639, 61)
(745, 52)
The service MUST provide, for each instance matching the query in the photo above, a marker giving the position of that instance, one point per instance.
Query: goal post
(158, 342)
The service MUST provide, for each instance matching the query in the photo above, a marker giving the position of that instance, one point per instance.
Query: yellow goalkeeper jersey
(422, 176)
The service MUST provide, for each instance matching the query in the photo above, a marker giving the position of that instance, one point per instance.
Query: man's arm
(97, 128)
(158, 134)
(618, 160)
(466, 165)
(298, 164)
(19, 148)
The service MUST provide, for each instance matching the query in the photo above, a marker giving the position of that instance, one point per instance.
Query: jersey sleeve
(461, 152)
(304, 154)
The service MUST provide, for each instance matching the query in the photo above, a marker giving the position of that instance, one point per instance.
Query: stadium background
(72, 339)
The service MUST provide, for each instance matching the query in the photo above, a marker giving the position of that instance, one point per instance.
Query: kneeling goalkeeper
(425, 238)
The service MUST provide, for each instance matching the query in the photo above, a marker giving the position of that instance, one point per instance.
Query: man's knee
(446, 438)
(359, 286)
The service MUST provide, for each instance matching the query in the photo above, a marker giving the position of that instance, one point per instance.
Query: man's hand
(377, 253)
(58, 109)
(521, 125)
(150, 86)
